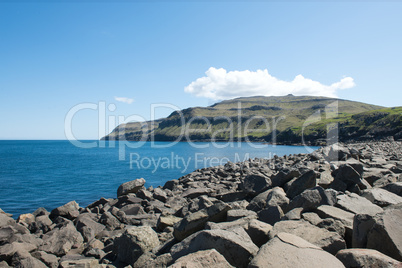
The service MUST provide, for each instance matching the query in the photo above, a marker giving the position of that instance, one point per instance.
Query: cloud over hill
(220, 84)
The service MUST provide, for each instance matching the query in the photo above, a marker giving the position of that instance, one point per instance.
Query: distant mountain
(287, 119)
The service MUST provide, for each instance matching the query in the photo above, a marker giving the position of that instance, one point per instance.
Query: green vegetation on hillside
(270, 119)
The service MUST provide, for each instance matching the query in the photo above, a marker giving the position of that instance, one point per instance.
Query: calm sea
(51, 173)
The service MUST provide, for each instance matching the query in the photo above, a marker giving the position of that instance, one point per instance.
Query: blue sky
(54, 56)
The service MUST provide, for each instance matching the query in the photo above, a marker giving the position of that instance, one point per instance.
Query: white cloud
(124, 99)
(219, 84)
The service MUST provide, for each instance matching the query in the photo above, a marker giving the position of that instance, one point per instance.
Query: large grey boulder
(196, 221)
(329, 241)
(202, 259)
(69, 211)
(357, 204)
(130, 187)
(381, 197)
(134, 242)
(258, 231)
(362, 257)
(386, 233)
(347, 177)
(235, 245)
(290, 251)
(277, 197)
(60, 240)
(271, 215)
(297, 186)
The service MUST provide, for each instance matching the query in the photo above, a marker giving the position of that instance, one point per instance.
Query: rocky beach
(340, 206)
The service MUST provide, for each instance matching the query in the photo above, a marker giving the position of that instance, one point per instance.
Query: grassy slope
(290, 113)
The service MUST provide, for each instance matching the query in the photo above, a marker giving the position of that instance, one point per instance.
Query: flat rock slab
(357, 204)
(290, 251)
(202, 259)
(329, 241)
(335, 213)
(361, 257)
(381, 197)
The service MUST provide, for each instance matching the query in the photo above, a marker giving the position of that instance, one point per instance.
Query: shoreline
(251, 202)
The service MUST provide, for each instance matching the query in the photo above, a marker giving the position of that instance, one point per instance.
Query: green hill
(270, 119)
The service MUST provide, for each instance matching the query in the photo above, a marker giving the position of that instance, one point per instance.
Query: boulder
(41, 224)
(50, 260)
(134, 242)
(160, 195)
(386, 233)
(259, 202)
(310, 199)
(26, 219)
(348, 175)
(202, 259)
(69, 211)
(7, 251)
(6, 220)
(277, 197)
(60, 240)
(166, 221)
(88, 228)
(258, 231)
(357, 204)
(335, 213)
(196, 221)
(110, 221)
(329, 241)
(235, 245)
(381, 197)
(361, 257)
(284, 176)
(235, 214)
(271, 215)
(287, 250)
(297, 186)
(130, 187)
(254, 184)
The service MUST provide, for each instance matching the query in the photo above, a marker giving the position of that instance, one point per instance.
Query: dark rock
(310, 199)
(271, 215)
(284, 176)
(193, 193)
(88, 228)
(306, 181)
(395, 188)
(110, 221)
(254, 184)
(333, 226)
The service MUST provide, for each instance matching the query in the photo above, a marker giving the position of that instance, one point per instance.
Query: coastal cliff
(340, 206)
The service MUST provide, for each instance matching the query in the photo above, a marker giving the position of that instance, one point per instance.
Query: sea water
(49, 174)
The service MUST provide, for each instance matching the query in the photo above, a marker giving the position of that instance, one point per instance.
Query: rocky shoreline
(340, 206)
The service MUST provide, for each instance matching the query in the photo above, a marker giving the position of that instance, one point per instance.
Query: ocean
(49, 174)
